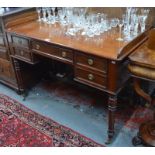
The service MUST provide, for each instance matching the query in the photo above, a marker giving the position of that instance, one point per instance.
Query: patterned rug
(20, 126)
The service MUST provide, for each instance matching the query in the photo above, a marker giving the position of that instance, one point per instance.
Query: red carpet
(19, 126)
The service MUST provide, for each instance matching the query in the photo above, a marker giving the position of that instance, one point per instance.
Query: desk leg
(19, 77)
(112, 106)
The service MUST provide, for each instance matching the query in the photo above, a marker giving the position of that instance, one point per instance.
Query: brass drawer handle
(22, 53)
(90, 61)
(64, 54)
(91, 77)
(37, 47)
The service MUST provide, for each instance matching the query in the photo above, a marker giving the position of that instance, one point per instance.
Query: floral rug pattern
(20, 126)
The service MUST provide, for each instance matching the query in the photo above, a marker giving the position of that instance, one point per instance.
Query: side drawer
(91, 61)
(90, 78)
(53, 51)
(22, 54)
(21, 42)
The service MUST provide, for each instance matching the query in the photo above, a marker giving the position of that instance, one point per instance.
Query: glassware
(136, 23)
(53, 17)
(49, 16)
(39, 13)
(142, 18)
(44, 14)
(125, 18)
(128, 18)
(114, 22)
(120, 24)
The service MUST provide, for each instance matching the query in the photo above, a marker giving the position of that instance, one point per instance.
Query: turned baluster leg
(19, 77)
(112, 106)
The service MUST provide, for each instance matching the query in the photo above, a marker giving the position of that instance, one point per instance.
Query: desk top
(144, 56)
(105, 45)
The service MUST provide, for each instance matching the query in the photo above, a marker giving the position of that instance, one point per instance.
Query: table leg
(19, 78)
(112, 106)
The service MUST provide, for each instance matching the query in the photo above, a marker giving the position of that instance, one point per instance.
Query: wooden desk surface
(105, 45)
(144, 56)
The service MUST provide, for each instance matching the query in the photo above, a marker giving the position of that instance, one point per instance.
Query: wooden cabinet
(12, 17)
(5, 69)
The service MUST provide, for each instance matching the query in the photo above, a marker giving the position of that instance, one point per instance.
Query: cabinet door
(6, 71)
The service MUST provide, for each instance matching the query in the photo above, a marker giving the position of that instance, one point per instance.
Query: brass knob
(22, 53)
(90, 76)
(90, 61)
(64, 54)
(37, 47)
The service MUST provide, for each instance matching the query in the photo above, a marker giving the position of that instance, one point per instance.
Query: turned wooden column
(112, 106)
(18, 75)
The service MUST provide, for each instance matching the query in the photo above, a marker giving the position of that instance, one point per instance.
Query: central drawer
(50, 50)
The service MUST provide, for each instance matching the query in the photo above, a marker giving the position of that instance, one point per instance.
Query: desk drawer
(90, 78)
(19, 41)
(52, 51)
(22, 53)
(91, 62)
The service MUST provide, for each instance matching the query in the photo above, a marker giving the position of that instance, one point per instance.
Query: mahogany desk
(99, 62)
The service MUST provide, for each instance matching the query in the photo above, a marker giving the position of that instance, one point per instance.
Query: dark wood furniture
(11, 17)
(142, 66)
(99, 62)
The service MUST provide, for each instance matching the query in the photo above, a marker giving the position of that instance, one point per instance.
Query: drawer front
(90, 78)
(59, 53)
(19, 41)
(5, 69)
(22, 53)
(91, 61)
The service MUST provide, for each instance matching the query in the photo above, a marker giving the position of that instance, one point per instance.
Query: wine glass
(120, 24)
(142, 18)
(53, 12)
(39, 13)
(44, 9)
(49, 16)
(135, 25)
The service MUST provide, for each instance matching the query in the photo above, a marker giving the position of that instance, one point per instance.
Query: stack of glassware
(79, 22)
